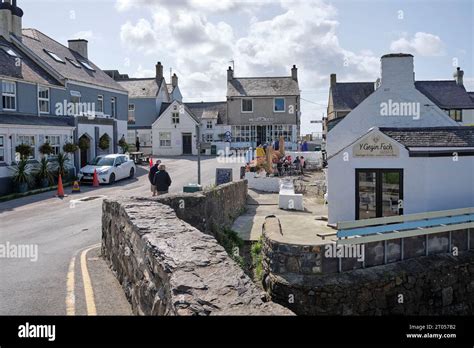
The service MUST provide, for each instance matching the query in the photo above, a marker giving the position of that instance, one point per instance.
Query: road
(69, 276)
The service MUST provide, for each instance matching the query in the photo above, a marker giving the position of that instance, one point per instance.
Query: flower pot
(44, 183)
(22, 187)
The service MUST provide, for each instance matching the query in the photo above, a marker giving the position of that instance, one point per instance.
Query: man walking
(151, 176)
(162, 180)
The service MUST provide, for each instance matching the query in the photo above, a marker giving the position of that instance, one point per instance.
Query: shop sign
(375, 145)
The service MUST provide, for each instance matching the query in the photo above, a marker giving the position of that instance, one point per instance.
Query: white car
(110, 168)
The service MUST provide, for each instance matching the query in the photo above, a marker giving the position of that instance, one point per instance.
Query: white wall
(430, 183)
(467, 117)
(164, 124)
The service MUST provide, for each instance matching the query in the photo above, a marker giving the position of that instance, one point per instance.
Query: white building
(394, 171)
(396, 102)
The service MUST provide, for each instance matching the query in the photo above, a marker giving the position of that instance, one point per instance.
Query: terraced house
(53, 93)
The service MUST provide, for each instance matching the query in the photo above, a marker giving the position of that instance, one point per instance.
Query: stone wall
(168, 267)
(306, 280)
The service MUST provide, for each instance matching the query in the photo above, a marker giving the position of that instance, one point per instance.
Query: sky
(198, 39)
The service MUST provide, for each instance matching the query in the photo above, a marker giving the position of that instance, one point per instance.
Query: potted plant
(46, 149)
(61, 163)
(123, 145)
(104, 142)
(84, 144)
(22, 175)
(70, 148)
(24, 150)
(43, 173)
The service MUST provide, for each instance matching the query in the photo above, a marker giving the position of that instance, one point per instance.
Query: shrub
(24, 150)
(104, 142)
(22, 172)
(123, 145)
(43, 170)
(60, 164)
(70, 148)
(46, 149)
(256, 252)
(84, 144)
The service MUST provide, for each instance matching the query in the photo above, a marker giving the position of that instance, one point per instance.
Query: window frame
(55, 56)
(42, 99)
(32, 146)
(274, 104)
(209, 124)
(175, 118)
(457, 114)
(242, 105)
(2, 148)
(100, 103)
(56, 147)
(9, 95)
(164, 140)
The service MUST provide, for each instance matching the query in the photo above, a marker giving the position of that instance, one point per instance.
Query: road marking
(71, 297)
(88, 291)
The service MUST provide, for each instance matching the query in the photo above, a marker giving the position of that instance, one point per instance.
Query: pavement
(298, 227)
(69, 277)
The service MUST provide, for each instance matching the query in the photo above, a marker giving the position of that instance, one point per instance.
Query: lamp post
(198, 146)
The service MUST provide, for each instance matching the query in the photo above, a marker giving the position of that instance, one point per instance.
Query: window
(456, 115)
(175, 118)
(9, 51)
(208, 138)
(113, 110)
(73, 62)
(27, 140)
(247, 105)
(55, 142)
(43, 100)
(165, 139)
(2, 148)
(55, 57)
(209, 124)
(100, 104)
(9, 95)
(279, 105)
(131, 113)
(87, 65)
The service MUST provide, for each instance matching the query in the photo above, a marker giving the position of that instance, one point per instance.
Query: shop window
(165, 139)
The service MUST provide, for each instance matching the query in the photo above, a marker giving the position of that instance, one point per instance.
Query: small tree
(61, 163)
(46, 149)
(24, 150)
(104, 142)
(123, 145)
(84, 144)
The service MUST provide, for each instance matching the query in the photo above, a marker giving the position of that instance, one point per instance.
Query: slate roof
(446, 137)
(52, 121)
(347, 95)
(141, 87)
(37, 42)
(447, 94)
(198, 110)
(28, 70)
(471, 94)
(262, 86)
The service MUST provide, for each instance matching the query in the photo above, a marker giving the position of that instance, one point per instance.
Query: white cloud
(140, 35)
(423, 44)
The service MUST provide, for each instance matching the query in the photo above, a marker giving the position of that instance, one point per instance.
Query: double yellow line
(86, 280)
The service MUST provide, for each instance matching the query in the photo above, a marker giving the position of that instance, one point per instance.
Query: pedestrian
(137, 144)
(302, 164)
(162, 180)
(151, 176)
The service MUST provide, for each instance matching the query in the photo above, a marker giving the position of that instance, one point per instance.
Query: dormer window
(87, 65)
(73, 62)
(9, 51)
(55, 57)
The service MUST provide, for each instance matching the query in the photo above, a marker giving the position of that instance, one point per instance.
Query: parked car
(110, 168)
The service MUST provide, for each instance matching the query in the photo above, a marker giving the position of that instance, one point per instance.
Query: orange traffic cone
(60, 193)
(95, 181)
(76, 188)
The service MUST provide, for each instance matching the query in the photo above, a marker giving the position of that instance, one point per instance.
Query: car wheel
(112, 179)
(132, 173)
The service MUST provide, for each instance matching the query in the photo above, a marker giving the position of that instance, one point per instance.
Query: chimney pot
(230, 74)
(159, 71)
(458, 76)
(174, 81)
(332, 80)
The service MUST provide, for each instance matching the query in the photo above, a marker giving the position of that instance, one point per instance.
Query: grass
(232, 243)
(256, 253)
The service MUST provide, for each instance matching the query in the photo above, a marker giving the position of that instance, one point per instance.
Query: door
(85, 149)
(187, 144)
(379, 193)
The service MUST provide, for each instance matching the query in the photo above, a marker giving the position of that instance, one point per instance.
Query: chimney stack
(159, 71)
(294, 73)
(458, 76)
(397, 71)
(5, 19)
(332, 80)
(17, 14)
(230, 74)
(174, 81)
(80, 46)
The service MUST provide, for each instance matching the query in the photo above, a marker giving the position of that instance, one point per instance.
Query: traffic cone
(95, 181)
(60, 193)
(76, 188)
(151, 162)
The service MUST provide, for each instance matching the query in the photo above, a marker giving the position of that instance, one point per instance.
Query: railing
(398, 227)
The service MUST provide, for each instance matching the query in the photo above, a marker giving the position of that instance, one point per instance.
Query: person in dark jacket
(137, 144)
(151, 176)
(162, 180)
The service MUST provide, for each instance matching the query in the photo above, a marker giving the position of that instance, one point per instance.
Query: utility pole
(198, 145)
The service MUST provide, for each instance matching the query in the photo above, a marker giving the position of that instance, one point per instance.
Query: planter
(22, 187)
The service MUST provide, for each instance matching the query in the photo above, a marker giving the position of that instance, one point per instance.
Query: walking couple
(159, 179)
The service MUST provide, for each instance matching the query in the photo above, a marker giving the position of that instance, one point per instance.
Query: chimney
(80, 46)
(294, 73)
(458, 76)
(5, 19)
(174, 81)
(230, 74)
(332, 80)
(17, 14)
(397, 71)
(159, 71)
